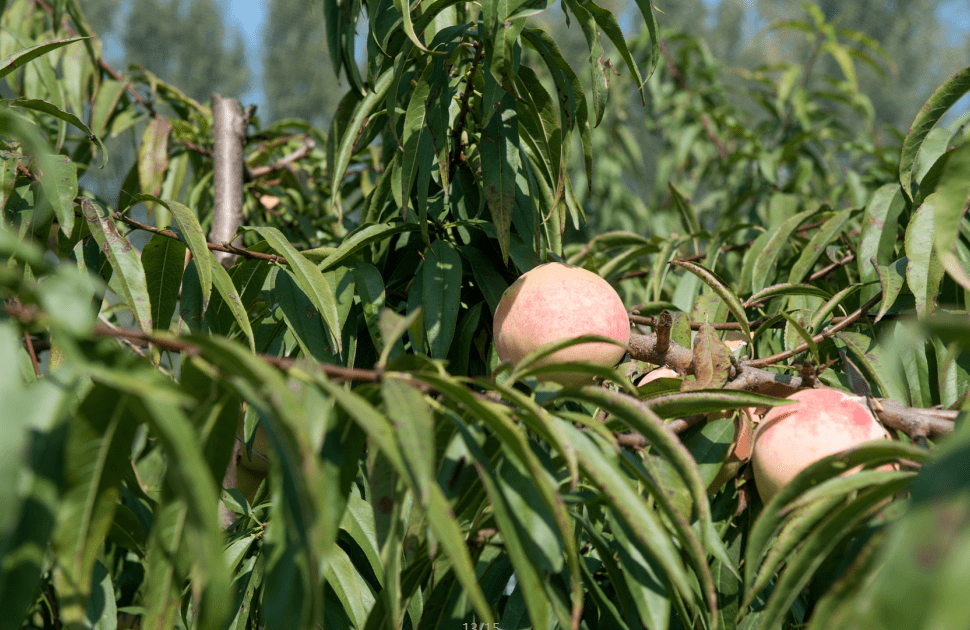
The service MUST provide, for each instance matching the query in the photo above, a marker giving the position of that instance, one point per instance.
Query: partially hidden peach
(553, 302)
(822, 422)
(653, 375)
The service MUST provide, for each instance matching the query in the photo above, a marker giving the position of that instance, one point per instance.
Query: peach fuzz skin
(822, 422)
(553, 302)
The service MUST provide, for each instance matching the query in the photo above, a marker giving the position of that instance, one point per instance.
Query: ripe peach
(822, 422)
(554, 302)
(653, 375)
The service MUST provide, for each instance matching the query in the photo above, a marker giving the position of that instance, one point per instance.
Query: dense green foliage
(414, 482)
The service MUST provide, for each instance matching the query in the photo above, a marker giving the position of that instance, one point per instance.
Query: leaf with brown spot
(153, 158)
(712, 360)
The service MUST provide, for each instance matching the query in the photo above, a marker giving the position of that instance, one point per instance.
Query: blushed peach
(553, 302)
(790, 438)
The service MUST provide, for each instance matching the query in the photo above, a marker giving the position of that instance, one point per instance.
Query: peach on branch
(822, 422)
(553, 302)
(652, 375)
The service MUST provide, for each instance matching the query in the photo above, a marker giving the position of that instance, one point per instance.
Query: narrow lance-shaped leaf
(303, 318)
(415, 129)
(163, 259)
(441, 296)
(194, 237)
(933, 110)
(730, 298)
(924, 271)
(124, 260)
(767, 258)
(98, 450)
(570, 92)
(500, 162)
(442, 522)
(310, 279)
(52, 110)
(829, 231)
(600, 82)
(18, 58)
(59, 179)
(230, 295)
(520, 549)
(540, 117)
(153, 157)
(414, 426)
(348, 143)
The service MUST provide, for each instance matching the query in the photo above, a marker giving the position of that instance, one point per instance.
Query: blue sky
(249, 15)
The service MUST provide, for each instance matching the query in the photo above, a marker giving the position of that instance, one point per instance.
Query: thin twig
(273, 258)
(284, 162)
(33, 354)
(825, 334)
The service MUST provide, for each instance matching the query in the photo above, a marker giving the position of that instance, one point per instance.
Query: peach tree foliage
(413, 484)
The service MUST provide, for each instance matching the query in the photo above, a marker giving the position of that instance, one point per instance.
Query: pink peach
(790, 438)
(553, 302)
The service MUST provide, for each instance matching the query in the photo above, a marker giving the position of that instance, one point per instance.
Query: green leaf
(414, 427)
(722, 289)
(415, 153)
(487, 278)
(311, 281)
(607, 22)
(360, 238)
(60, 183)
(515, 535)
(680, 404)
(500, 162)
(404, 8)
(353, 591)
(348, 141)
(828, 232)
(767, 259)
(164, 260)
(153, 157)
(572, 98)
(17, 59)
(924, 271)
(52, 110)
(786, 289)
(124, 260)
(442, 523)
(304, 319)
(653, 52)
(879, 227)
(97, 452)
(230, 297)
(105, 102)
(947, 181)
(192, 235)
(932, 111)
(606, 475)
(539, 118)
(441, 296)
